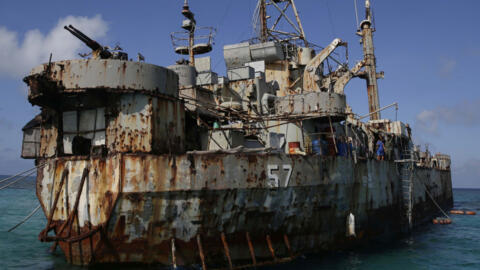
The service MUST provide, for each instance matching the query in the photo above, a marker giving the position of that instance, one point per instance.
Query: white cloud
(19, 57)
(427, 121)
(447, 67)
(465, 113)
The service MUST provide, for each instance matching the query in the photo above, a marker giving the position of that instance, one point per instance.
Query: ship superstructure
(180, 166)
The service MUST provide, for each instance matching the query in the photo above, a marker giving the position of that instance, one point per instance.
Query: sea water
(455, 246)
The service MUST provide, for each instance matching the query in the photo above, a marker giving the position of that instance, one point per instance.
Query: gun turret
(97, 49)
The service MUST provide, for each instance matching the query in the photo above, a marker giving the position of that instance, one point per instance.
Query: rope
(21, 178)
(431, 197)
(11, 177)
(25, 219)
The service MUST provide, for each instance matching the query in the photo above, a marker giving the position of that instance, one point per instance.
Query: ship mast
(366, 32)
(193, 40)
(191, 29)
(267, 33)
(263, 21)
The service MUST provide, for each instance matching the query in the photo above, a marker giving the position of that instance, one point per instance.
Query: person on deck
(380, 149)
(342, 147)
(389, 146)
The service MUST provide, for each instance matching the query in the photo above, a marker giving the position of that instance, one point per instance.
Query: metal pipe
(263, 21)
(287, 244)
(333, 135)
(200, 249)
(191, 40)
(287, 18)
(250, 247)
(227, 250)
(270, 247)
(370, 63)
(299, 22)
(174, 259)
(44, 233)
(379, 110)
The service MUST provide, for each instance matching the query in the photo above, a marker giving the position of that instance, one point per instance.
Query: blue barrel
(317, 147)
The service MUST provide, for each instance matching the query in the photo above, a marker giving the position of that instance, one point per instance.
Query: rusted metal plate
(98, 194)
(111, 74)
(131, 129)
(321, 103)
(48, 137)
(168, 126)
(278, 71)
(199, 99)
(146, 124)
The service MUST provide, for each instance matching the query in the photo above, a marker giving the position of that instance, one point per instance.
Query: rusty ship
(178, 166)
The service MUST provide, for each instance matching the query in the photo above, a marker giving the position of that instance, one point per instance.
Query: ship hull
(225, 210)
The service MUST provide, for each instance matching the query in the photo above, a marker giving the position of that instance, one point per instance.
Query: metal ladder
(407, 166)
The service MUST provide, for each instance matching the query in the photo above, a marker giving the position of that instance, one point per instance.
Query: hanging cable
(25, 219)
(256, 18)
(356, 11)
(373, 16)
(225, 13)
(21, 178)
(330, 19)
(14, 176)
(431, 196)
(396, 112)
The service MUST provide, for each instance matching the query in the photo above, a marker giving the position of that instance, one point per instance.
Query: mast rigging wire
(330, 19)
(356, 11)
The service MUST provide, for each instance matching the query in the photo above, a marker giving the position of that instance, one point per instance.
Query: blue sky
(429, 51)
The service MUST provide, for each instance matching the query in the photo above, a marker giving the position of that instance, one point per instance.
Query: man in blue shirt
(380, 149)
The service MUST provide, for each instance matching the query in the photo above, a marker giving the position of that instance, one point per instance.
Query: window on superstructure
(83, 130)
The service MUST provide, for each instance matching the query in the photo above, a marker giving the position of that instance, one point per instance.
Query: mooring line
(25, 219)
(431, 196)
(21, 178)
(13, 176)
(30, 172)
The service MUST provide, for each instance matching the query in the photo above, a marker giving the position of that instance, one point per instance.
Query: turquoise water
(455, 246)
